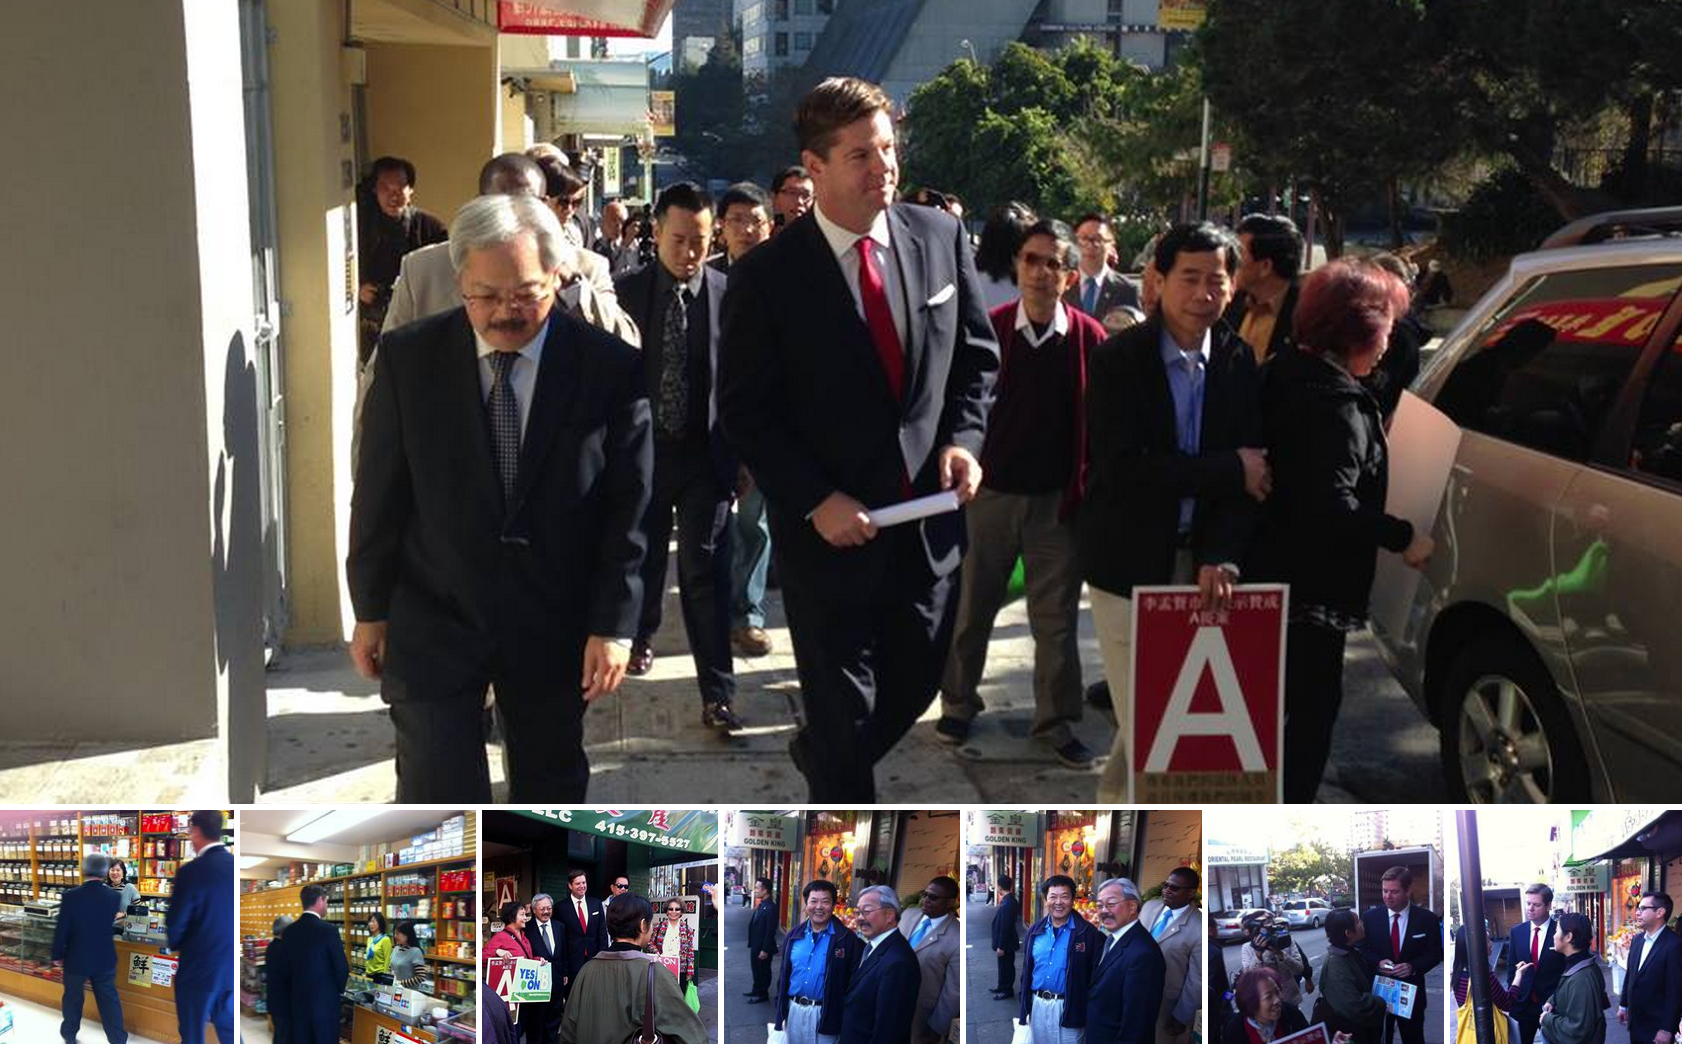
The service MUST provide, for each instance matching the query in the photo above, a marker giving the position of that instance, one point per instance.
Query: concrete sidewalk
(330, 737)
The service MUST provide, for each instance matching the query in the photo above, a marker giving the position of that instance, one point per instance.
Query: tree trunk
(1569, 201)
(1330, 221)
(1634, 180)
(1398, 235)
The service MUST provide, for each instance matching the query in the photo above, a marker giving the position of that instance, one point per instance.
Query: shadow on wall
(237, 572)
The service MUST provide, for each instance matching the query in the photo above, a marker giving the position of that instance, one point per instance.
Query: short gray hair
(884, 896)
(539, 897)
(1129, 890)
(488, 221)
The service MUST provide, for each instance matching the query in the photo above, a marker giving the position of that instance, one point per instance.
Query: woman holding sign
(623, 990)
(674, 942)
(511, 941)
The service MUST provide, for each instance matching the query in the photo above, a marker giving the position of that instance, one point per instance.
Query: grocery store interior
(41, 855)
(412, 867)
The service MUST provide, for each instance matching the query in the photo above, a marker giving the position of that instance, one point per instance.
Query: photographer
(1271, 946)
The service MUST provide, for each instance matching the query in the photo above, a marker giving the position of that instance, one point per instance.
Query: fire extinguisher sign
(1208, 706)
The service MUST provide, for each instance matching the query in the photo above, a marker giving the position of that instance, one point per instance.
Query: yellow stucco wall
(438, 107)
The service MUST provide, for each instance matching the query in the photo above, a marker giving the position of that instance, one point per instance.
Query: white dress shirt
(1059, 325)
(522, 377)
(844, 244)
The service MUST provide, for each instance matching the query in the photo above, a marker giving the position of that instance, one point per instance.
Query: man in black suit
(82, 943)
(1651, 1002)
(1125, 996)
(494, 534)
(677, 304)
(880, 1002)
(540, 1022)
(1007, 920)
(585, 928)
(1175, 472)
(857, 371)
(276, 991)
(315, 972)
(1403, 941)
(1270, 249)
(1101, 292)
(762, 940)
(1532, 942)
(201, 930)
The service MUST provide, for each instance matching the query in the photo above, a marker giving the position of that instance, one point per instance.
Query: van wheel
(1506, 738)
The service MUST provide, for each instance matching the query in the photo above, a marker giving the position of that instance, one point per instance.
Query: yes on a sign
(1208, 696)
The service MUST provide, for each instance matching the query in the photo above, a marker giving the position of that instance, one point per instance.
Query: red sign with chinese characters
(1208, 690)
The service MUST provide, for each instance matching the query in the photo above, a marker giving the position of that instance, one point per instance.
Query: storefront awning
(1661, 836)
(583, 17)
(669, 829)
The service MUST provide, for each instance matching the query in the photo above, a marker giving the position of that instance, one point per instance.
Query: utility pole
(1477, 942)
(1203, 161)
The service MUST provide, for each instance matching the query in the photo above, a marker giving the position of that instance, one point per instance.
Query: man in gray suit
(935, 935)
(1176, 923)
(1101, 292)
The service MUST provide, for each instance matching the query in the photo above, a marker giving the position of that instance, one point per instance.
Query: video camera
(1272, 932)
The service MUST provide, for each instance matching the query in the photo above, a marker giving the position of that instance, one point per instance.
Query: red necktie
(1535, 944)
(582, 923)
(880, 318)
(1396, 935)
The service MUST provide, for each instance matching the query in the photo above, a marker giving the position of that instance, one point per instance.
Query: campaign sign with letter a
(1208, 688)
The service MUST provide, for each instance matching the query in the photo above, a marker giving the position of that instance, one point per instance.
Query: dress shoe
(750, 641)
(757, 1000)
(1074, 754)
(952, 730)
(642, 659)
(1098, 695)
(719, 716)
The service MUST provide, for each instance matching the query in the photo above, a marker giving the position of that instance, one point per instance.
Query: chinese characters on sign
(1009, 828)
(764, 830)
(1208, 696)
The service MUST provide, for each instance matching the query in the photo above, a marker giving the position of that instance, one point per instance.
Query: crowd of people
(617, 968)
(1262, 999)
(891, 975)
(765, 370)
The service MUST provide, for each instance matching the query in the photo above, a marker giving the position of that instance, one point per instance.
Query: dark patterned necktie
(674, 365)
(504, 410)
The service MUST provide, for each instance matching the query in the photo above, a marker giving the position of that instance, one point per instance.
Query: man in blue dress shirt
(820, 957)
(1060, 949)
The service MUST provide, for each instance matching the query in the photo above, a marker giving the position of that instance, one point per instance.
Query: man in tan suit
(1176, 923)
(935, 937)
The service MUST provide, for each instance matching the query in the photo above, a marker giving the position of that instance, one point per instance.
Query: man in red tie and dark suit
(1532, 940)
(857, 370)
(1403, 941)
(583, 928)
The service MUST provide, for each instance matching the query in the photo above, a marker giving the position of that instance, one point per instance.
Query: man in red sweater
(1033, 467)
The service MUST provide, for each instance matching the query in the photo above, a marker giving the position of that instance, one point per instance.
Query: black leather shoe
(757, 1000)
(642, 659)
(719, 716)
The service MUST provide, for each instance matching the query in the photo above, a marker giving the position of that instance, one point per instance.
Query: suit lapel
(469, 406)
(557, 378)
(849, 326)
(913, 273)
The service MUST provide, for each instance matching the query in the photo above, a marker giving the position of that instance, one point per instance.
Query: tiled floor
(38, 1024)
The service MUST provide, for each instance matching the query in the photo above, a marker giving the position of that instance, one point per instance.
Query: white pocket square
(944, 295)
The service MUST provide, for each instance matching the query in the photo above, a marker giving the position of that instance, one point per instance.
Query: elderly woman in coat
(610, 994)
(673, 938)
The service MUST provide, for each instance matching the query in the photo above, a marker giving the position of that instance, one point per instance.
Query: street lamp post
(966, 45)
(1477, 942)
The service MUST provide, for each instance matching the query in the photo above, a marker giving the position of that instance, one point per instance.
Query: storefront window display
(1070, 850)
(41, 855)
(829, 850)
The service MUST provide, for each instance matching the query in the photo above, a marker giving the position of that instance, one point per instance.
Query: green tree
(1311, 866)
(1339, 97)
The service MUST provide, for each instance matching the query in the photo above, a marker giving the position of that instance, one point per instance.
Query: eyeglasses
(567, 202)
(1646, 908)
(865, 911)
(737, 221)
(1112, 904)
(617, 887)
(1052, 264)
(522, 300)
(1169, 886)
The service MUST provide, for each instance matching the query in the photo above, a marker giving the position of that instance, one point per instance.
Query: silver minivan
(1537, 637)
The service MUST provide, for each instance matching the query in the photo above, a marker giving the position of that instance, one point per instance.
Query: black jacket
(432, 549)
(1542, 980)
(82, 936)
(1422, 946)
(315, 974)
(277, 991)
(762, 929)
(882, 999)
(1127, 529)
(1085, 944)
(806, 404)
(579, 942)
(845, 951)
(1006, 924)
(1400, 364)
(1125, 995)
(1653, 988)
(1325, 519)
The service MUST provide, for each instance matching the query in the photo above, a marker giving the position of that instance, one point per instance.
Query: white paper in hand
(912, 510)
(1022, 1033)
(773, 1035)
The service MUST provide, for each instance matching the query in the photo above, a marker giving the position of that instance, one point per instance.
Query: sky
(1281, 826)
(636, 46)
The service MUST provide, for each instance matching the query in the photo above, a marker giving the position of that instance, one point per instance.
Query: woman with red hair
(1325, 519)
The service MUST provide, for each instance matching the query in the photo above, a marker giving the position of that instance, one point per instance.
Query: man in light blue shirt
(819, 960)
(1060, 950)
